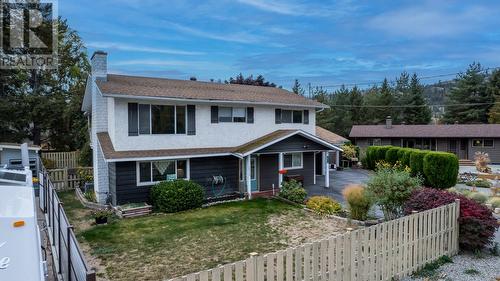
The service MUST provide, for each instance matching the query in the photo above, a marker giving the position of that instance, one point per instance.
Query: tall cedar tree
(297, 88)
(50, 99)
(400, 96)
(470, 89)
(419, 112)
(494, 89)
(357, 111)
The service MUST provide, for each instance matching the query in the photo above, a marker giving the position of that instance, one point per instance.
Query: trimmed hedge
(437, 169)
(441, 169)
(177, 195)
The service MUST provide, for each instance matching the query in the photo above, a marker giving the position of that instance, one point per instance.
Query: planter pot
(101, 220)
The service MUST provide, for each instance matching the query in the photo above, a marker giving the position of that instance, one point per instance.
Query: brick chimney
(388, 122)
(99, 65)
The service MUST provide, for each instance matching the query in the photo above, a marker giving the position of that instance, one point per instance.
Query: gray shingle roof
(121, 85)
(431, 131)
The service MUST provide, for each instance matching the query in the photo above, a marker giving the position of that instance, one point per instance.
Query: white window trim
(151, 119)
(138, 176)
(294, 167)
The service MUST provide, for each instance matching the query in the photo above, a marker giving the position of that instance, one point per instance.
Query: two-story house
(228, 138)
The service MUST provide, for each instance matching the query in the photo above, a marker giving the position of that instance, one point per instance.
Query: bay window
(151, 172)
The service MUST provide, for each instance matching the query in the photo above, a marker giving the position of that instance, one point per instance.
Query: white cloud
(335, 9)
(429, 21)
(143, 49)
(274, 6)
(238, 37)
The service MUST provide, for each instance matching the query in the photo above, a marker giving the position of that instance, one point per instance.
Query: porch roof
(111, 155)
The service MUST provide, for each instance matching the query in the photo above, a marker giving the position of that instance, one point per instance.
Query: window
(482, 143)
(292, 160)
(377, 142)
(232, 114)
(151, 172)
(297, 116)
(145, 119)
(239, 114)
(286, 116)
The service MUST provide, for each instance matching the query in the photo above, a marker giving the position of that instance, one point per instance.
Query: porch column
(337, 159)
(326, 169)
(248, 176)
(280, 167)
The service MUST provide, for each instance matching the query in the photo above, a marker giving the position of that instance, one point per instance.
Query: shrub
(85, 156)
(48, 163)
(89, 195)
(391, 155)
(477, 224)
(417, 162)
(323, 205)
(358, 200)
(293, 191)
(479, 183)
(495, 202)
(349, 151)
(482, 159)
(440, 169)
(405, 158)
(177, 195)
(390, 188)
(102, 213)
(478, 197)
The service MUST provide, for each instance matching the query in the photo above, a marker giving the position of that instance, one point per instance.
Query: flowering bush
(477, 224)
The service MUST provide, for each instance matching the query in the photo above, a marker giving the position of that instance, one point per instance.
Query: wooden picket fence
(62, 159)
(392, 249)
(65, 178)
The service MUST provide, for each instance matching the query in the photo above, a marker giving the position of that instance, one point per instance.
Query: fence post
(59, 234)
(253, 257)
(53, 220)
(347, 254)
(65, 175)
(48, 203)
(457, 202)
(69, 229)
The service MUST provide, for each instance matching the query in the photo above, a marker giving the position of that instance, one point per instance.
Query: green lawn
(168, 245)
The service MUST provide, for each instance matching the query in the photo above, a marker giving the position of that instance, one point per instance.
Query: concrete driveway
(338, 181)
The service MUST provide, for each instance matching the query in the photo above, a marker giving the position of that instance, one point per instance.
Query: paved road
(338, 181)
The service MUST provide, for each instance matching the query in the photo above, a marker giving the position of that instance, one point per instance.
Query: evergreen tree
(400, 96)
(419, 112)
(494, 89)
(470, 89)
(297, 88)
(357, 112)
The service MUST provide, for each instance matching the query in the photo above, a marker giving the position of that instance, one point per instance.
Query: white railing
(392, 249)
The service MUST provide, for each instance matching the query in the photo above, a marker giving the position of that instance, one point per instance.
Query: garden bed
(160, 246)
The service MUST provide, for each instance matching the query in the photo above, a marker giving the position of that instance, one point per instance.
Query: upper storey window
(291, 116)
(221, 114)
(145, 119)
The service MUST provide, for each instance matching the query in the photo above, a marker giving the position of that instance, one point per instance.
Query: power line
(414, 106)
(393, 81)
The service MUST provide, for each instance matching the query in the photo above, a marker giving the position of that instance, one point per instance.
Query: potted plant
(101, 216)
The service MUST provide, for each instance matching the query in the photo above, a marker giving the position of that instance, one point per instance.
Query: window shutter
(277, 112)
(306, 116)
(215, 114)
(191, 116)
(133, 119)
(249, 114)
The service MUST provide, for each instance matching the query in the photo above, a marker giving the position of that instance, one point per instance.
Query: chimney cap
(99, 52)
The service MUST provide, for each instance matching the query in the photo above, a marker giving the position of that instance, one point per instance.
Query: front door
(253, 174)
(464, 145)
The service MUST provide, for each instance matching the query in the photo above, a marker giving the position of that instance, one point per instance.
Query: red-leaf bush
(477, 224)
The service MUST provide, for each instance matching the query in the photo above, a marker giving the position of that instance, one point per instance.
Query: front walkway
(338, 181)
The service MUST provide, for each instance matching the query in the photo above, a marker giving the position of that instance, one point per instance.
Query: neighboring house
(337, 140)
(460, 139)
(231, 139)
(10, 154)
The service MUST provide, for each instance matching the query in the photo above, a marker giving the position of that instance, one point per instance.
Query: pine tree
(356, 102)
(400, 96)
(297, 88)
(385, 101)
(494, 89)
(419, 112)
(470, 89)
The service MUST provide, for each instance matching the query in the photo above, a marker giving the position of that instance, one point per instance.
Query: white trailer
(20, 244)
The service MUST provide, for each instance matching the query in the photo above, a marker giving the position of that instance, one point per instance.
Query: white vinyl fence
(391, 249)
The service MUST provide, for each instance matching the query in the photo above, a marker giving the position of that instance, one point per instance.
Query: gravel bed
(487, 266)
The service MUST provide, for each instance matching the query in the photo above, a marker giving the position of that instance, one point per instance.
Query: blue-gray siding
(269, 170)
(294, 143)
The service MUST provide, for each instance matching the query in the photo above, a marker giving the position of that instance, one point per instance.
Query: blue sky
(317, 42)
